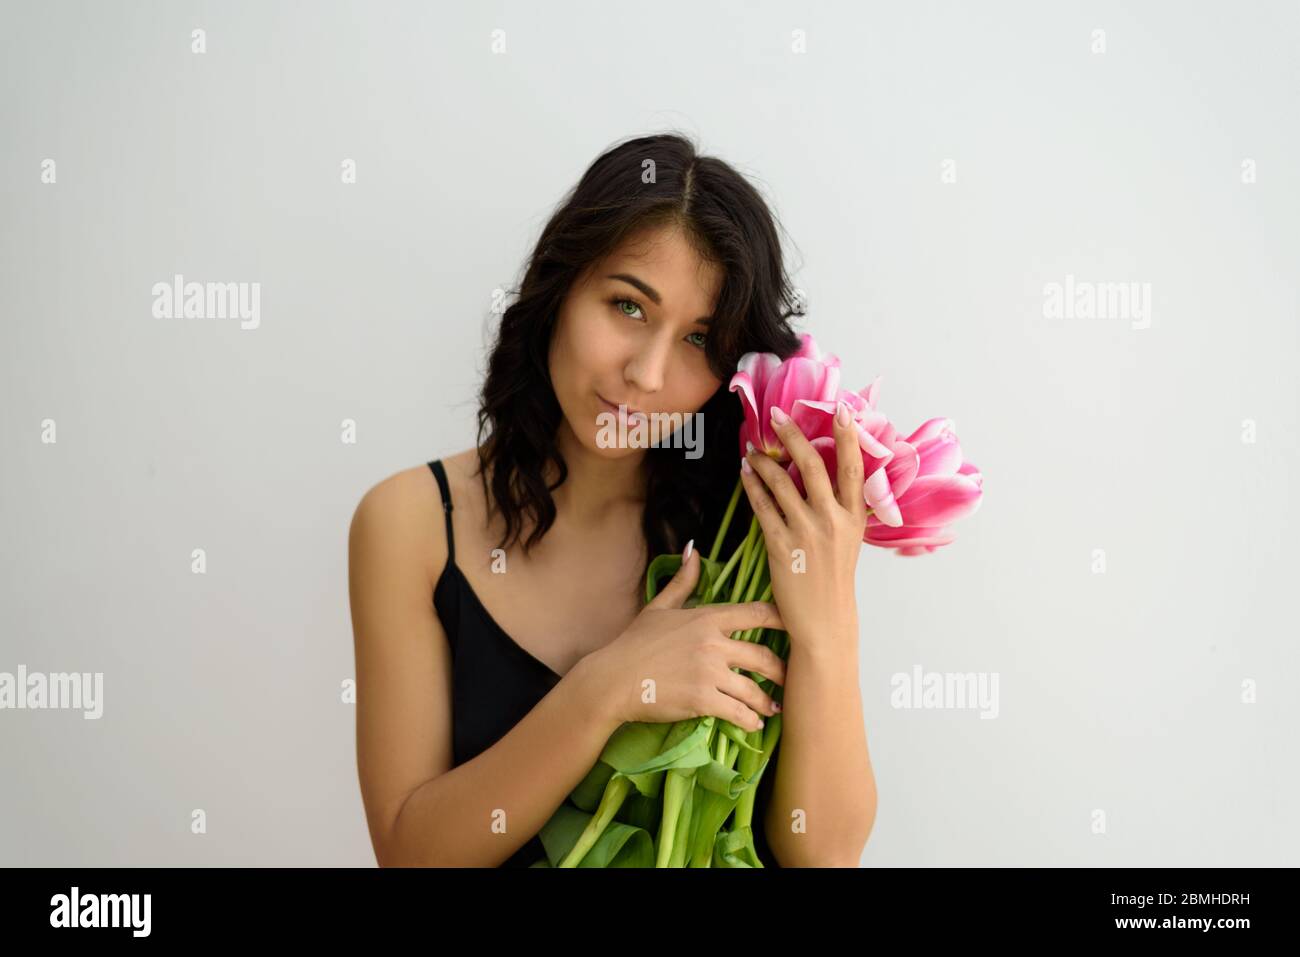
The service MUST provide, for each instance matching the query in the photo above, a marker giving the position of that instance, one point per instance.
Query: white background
(1119, 691)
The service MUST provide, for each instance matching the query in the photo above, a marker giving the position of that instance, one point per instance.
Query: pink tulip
(913, 486)
(793, 385)
(888, 463)
(944, 489)
(805, 386)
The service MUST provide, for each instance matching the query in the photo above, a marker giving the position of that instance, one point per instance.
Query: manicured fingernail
(749, 447)
(746, 467)
(842, 412)
(778, 416)
(686, 555)
(776, 706)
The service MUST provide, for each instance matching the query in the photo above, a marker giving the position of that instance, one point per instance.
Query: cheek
(584, 345)
(571, 331)
(700, 388)
(557, 359)
(597, 342)
(602, 335)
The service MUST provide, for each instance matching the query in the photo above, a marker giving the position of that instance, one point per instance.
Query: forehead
(665, 259)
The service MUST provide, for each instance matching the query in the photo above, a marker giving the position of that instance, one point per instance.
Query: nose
(648, 367)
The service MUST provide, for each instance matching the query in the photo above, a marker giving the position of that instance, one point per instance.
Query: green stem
(766, 596)
(675, 788)
(754, 581)
(685, 825)
(615, 793)
(756, 572)
(768, 737)
(747, 563)
(723, 575)
(737, 556)
(726, 522)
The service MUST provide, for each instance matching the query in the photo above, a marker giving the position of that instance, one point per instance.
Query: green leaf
(632, 752)
(737, 734)
(720, 779)
(691, 752)
(620, 845)
(735, 848)
(650, 756)
(711, 812)
(642, 811)
(590, 789)
(685, 820)
(664, 567)
(678, 784)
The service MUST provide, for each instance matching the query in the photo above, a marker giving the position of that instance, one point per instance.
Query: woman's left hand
(813, 547)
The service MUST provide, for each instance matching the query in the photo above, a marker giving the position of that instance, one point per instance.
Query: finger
(682, 584)
(779, 484)
(848, 458)
(760, 501)
(744, 690)
(757, 658)
(744, 616)
(812, 469)
(731, 709)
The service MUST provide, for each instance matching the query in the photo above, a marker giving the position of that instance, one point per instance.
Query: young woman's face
(629, 332)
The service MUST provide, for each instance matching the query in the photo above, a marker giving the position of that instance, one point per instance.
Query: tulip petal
(870, 443)
(801, 379)
(753, 372)
(825, 447)
(871, 392)
(939, 499)
(879, 497)
(940, 455)
(903, 467)
(808, 349)
(813, 417)
(930, 428)
(909, 536)
(760, 366)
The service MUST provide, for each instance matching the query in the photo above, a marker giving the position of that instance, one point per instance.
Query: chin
(604, 439)
(593, 442)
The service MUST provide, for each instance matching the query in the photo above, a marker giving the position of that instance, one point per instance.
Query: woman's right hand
(674, 663)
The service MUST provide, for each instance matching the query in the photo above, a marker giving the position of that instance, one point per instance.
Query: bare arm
(822, 728)
(420, 810)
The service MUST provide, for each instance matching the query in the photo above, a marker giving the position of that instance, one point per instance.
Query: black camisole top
(496, 682)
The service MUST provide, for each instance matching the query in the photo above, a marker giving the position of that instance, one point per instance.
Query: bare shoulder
(466, 489)
(398, 522)
(462, 469)
(396, 541)
(401, 516)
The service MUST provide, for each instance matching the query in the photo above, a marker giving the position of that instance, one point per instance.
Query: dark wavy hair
(621, 193)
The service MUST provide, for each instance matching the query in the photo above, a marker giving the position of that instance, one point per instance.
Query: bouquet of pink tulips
(682, 794)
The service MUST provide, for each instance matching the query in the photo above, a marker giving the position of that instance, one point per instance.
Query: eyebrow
(651, 292)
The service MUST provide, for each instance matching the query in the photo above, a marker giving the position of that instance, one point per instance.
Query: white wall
(1118, 691)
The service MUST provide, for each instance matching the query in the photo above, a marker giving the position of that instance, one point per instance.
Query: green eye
(620, 303)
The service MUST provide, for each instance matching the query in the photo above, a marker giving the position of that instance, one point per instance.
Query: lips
(614, 406)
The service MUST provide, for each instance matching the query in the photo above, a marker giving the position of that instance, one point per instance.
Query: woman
(497, 593)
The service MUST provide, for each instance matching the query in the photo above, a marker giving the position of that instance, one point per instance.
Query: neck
(597, 489)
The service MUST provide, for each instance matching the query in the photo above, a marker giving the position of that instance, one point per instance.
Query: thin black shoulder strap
(441, 475)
